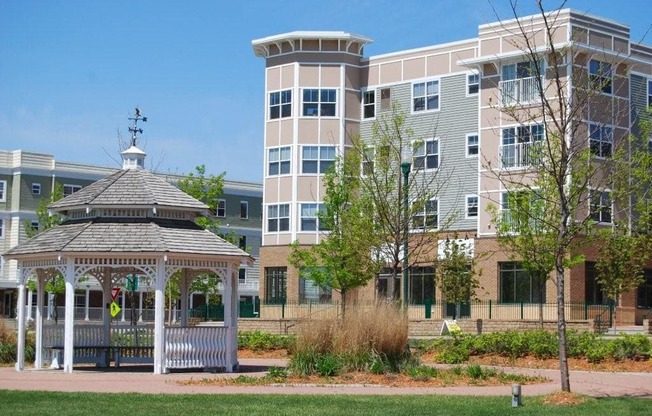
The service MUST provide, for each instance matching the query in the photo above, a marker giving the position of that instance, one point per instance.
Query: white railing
(519, 155)
(195, 347)
(83, 335)
(250, 286)
(519, 91)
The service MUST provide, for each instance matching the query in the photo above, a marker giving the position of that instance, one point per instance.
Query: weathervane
(134, 130)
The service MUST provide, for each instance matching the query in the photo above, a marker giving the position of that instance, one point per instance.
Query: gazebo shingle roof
(135, 235)
(133, 187)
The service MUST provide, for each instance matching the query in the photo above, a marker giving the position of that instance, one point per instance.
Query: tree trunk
(561, 326)
(542, 285)
(343, 307)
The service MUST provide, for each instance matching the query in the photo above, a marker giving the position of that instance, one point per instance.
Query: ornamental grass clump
(367, 339)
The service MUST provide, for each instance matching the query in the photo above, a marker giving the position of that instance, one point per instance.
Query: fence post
(428, 311)
(489, 308)
(283, 309)
(586, 310)
(521, 311)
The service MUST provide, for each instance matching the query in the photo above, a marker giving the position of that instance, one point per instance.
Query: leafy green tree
(207, 189)
(342, 260)
(456, 273)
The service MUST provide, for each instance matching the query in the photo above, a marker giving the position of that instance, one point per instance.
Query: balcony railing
(519, 91)
(519, 155)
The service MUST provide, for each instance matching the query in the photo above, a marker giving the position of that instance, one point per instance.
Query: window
(426, 154)
(600, 140)
(311, 292)
(471, 206)
(517, 286)
(2, 228)
(242, 242)
(317, 159)
(518, 145)
(221, 208)
(80, 299)
(278, 161)
(310, 220)
(600, 76)
(600, 206)
(649, 92)
(275, 284)
(368, 161)
(280, 104)
(422, 285)
(36, 188)
(472, 145)
(425, 96)
(278, 218)
(70, 189)
(369, 104)
(244, 209)
(520, 82)
(472, 84)
(3, 191)
(644, 291)
(593, 294)
(242, 275)
(33, 225)
(385, 99)
(319, 102)
(426, 216)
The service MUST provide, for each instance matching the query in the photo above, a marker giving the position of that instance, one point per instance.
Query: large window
(317, 159)
(518, 145)
(3, 191)
(593, 294)
(2, 228)
(244, 209)
(369, 104)
(426, 217)
(280, 104)
(425, 96)
(422, 285)
(649, 92)
(472, 84)
(520, 82)
(310, 292)
(70, 189)
(600, 75)
(275, 284)
(600, 139)
(310, 220)
(426, 154)
(644, 291)
(319, 102)
(600, 206)
(517, 286)
(278, 161)
(278, 218)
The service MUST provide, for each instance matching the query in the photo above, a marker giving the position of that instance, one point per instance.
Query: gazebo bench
(101, 355)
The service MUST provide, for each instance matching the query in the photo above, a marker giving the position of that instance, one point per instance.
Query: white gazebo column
(231, 318)
(87, 301)
(124, 305)
(20, 354)
(159, 317)
(140, 306)
(40, 284)
(106, 301)
(29, 304)
(184, 298)
(69, 328)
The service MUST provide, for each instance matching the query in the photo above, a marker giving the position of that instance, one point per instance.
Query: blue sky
(71, 72)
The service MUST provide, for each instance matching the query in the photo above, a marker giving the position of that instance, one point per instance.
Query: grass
(19, 403)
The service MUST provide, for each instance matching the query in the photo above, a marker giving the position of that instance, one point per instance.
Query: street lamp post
(406, 164)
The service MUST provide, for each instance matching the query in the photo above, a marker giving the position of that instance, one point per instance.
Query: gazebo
(131, 222)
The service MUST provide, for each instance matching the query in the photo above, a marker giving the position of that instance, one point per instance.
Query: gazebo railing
(195, 347)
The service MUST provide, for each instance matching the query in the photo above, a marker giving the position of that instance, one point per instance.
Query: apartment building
(320, 90)
(28, 177)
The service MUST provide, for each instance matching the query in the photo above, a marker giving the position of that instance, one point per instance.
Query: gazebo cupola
(134, 158)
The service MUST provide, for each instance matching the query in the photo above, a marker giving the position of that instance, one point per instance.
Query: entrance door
(9, 310)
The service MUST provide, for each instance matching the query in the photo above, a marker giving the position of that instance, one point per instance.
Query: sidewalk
(139, 379)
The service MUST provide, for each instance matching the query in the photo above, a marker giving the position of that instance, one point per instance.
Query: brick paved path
(139, 379)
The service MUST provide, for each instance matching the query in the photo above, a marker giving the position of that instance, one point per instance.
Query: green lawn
(17, 403)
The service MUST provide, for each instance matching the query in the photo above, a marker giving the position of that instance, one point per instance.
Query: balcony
(519, 91)
(519, 155)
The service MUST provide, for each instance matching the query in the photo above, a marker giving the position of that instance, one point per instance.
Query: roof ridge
(114, 179)
(88, 224)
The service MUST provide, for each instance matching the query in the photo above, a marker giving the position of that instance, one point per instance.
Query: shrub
(263, 341)
(453, 354)
(542, 344)
(328, 365)
(581, 343)
(629, 347)
(277, 373)
(475, 372)
(421, 372)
